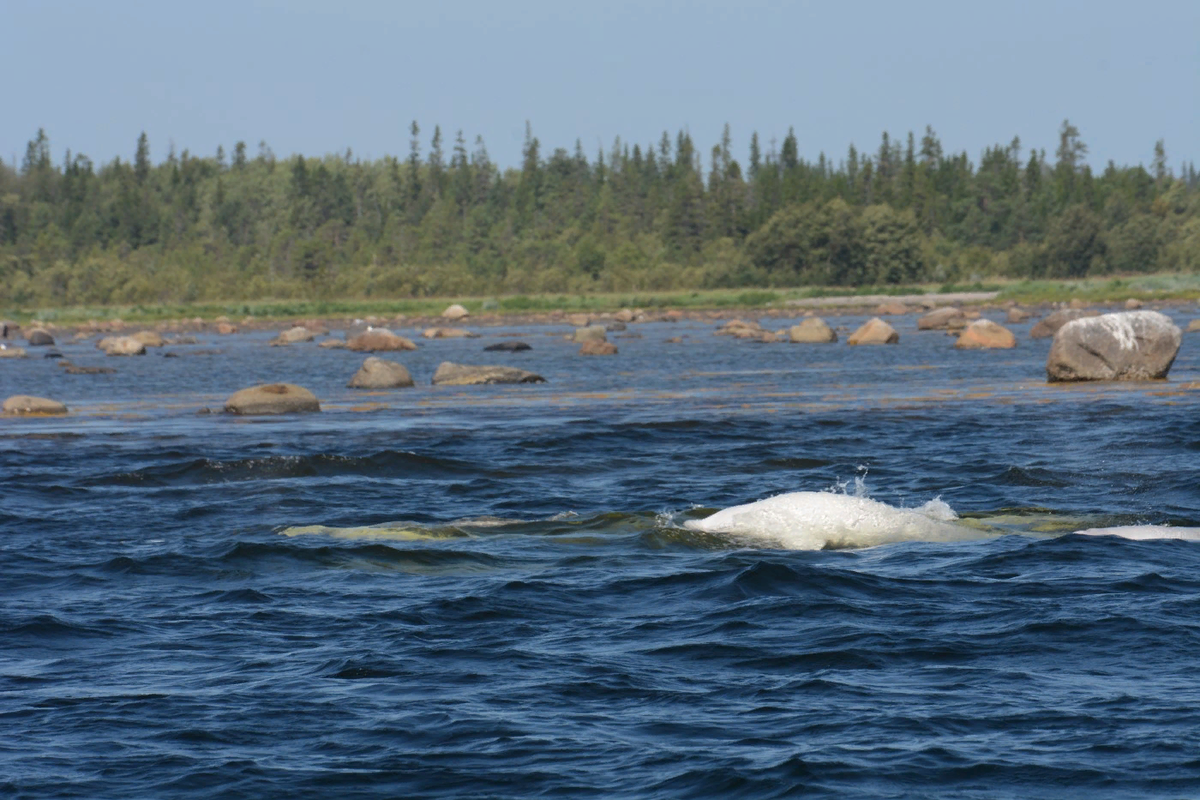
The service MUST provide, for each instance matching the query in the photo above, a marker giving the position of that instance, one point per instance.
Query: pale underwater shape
(1143, 532)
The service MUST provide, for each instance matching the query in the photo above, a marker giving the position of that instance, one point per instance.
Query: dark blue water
(190, 607)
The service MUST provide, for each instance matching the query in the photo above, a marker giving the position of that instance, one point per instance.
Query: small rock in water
(874, 331)
(376, 373)
(23, 405)
(451, 374)
(507, 347)
(272, 398)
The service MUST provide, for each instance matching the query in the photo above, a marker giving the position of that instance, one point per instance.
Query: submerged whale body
(822, 520)
(1146, 532)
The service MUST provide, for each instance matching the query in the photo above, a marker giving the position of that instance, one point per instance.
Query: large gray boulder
(1127, 346)
(375, 373)
(272, 398)
(121, 346)
(1049, 325)
(451, 374)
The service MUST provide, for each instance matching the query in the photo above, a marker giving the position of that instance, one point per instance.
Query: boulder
(1133, 304)
(942, 319)
(624, 315)
(893, 309)
(813, 330)
(272, 398)
(226, 328)
(507, 347)
(983, 334)
(455, 312)
(614, 326)
(315, 325)
(740, 329)
(149, 338)
(293, 336)
(374, 339)
(375, 373)
(594, 348)
(874, 331)
(24, 405)
(449, 333)
(1126, 346)
(579, 320)
(39, 338)
(1047, 327)
(1015, 315)
(121, 346)
(333, 344)
(1193, 326)
(450, 374)
(590, 333)
(9, 351)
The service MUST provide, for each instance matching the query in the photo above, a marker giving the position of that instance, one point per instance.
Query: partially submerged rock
(983, 334)
(449, 333)
(891, 309)
(1126, 346)
(507, 347)
(455, 311)
(594, 348)
(272, 398)
(23, 405)
(293, 335)
(874, 331)
(374, 339)
(39, 338)
(1049, 325)
(375, 373)
(941, 319)
(121, 346)
(150, 338)
(9, 351)
(451, 374)
(813, 330)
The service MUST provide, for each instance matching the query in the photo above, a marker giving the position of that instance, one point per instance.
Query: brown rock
(983, 334)
(39, 337)
(874, 331)
(374, 339)
(1132, 304)
(9, 351)
(894, 309)
(579, 320)
(293, 335)
(1193, 326)
(624, 315)
(740, 328)
(941, 319)
(1126, 346)
(1077, 304)
(375, 373)
(1016, 315)
(333, 344)
(813, 330)
(451, 374)
(272, 398)
(1048, 326)
(226, 328)
(596, 348)
(23, 405)
(455, 311)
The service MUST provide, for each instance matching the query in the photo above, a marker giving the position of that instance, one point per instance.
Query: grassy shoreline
(1170, 287)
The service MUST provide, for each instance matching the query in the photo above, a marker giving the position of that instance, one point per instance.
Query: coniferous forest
(444, 219)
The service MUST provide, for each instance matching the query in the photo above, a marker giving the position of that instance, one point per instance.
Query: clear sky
(318, 77)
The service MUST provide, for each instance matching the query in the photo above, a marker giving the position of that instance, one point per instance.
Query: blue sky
(317, 78)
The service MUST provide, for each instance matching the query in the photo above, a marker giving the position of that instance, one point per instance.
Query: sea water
(705, 569)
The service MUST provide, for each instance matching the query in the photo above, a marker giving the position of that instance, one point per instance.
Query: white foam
(1145, 532)
(820, 520)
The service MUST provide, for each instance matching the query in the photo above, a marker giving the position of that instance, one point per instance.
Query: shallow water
(493, 591)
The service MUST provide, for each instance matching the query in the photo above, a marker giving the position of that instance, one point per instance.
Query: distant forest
(446, 220)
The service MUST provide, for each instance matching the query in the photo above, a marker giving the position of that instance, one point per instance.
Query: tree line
(447, 220)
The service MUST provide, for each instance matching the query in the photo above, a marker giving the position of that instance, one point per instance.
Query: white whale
(823, 520)
(1145, 532)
